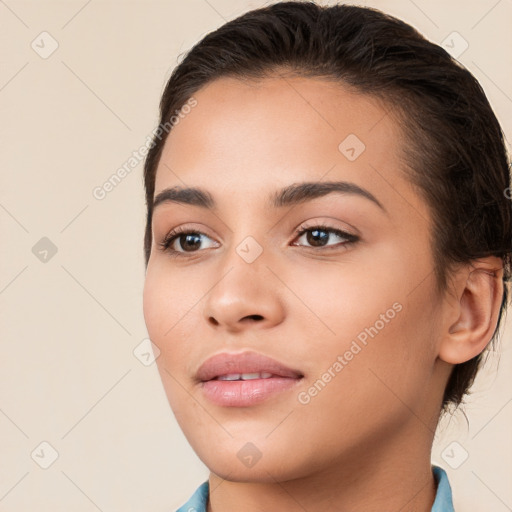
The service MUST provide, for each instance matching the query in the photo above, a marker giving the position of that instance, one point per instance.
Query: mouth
(246, 376)
(244, 379)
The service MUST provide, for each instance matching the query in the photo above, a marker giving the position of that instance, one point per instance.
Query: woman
(327, 248)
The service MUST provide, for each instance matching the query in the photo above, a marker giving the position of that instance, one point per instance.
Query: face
(335, 285)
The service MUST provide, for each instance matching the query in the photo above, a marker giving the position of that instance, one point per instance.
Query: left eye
(318, 236)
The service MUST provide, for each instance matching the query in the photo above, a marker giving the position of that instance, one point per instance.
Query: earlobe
(471, 327)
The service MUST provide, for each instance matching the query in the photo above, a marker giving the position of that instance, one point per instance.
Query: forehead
(252, 137)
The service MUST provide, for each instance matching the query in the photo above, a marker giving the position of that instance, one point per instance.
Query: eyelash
(166, 243)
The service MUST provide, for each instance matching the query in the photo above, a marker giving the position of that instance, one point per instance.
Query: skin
(364, 441)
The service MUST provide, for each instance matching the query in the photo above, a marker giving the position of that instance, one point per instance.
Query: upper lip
(245, 362)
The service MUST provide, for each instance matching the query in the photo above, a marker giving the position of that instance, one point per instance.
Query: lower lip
(244, 393)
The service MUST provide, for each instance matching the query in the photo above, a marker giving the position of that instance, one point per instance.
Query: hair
(453, 146)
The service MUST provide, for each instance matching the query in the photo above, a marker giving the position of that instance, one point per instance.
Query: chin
(242, 461)
(260, 473)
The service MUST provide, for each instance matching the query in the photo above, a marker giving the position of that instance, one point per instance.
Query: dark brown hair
(453, 146)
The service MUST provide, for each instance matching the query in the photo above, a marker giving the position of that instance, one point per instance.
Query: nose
(247, 295)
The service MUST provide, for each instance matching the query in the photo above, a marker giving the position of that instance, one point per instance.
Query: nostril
(255, 317)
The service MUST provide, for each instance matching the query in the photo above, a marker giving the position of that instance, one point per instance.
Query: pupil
(315, 239)
(189, 241)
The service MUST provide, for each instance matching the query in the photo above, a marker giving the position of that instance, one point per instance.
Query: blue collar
(442, 503)
(198, 501)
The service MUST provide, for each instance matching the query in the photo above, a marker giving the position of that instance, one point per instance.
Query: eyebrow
(290, 195)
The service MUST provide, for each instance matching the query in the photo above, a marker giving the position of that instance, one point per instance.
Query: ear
(471, 319)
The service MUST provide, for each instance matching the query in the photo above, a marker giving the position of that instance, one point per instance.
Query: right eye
(188, 239)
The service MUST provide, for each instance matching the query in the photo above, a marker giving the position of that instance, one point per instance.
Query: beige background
(69, 325)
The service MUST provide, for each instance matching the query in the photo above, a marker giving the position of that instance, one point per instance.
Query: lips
(245, 380)
(244, 366)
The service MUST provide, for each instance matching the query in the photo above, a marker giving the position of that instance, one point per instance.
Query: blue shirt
(442, 503)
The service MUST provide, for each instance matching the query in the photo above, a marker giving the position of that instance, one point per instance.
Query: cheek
(168, 299)
(165, 316)
(368, 380)
(373, 321)
(337, 302)
(171, 305)
(154, 299)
